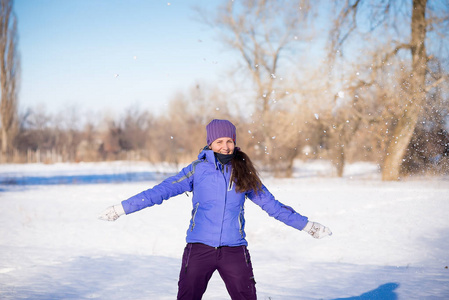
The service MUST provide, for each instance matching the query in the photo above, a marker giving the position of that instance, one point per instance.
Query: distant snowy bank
(301, 169)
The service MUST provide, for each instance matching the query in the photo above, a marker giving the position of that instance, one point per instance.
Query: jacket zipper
(241, 221)
(195, 210)
(225, 200)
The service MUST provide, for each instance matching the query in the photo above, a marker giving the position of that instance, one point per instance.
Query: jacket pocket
(194, 211)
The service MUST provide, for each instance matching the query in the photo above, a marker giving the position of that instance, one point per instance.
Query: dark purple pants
(200, 261)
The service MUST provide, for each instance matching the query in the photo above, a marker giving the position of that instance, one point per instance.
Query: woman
(221, 179)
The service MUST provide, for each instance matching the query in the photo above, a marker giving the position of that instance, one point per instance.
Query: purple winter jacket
(218, 210)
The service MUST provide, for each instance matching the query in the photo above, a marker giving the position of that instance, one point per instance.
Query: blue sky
(97, 55)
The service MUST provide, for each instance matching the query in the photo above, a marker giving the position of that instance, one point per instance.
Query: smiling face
(223, 145)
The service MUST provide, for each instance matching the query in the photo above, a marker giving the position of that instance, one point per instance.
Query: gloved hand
(112, 213)
(317, 230)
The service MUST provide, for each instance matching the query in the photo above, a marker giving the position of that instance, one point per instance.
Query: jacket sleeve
(170, 187)
(276, 209)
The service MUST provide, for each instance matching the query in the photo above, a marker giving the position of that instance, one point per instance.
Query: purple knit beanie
(220, 128)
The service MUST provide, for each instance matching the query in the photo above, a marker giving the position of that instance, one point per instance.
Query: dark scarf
(224, 158)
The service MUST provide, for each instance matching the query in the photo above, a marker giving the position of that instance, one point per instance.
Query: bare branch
(436, 83)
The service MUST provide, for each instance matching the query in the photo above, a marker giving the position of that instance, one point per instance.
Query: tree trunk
(405, 127)
(4, 145)
(340, 160)
(397, 147)
(8, 74)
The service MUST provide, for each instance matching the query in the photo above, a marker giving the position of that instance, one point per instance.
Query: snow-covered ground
(390, 239)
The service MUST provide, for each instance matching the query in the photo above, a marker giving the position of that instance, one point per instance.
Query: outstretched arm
(170, 187)
(286, 214)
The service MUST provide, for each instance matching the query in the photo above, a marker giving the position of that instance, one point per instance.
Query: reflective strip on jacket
(218, 210)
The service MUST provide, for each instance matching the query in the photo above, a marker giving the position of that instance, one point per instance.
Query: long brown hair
(244, 174)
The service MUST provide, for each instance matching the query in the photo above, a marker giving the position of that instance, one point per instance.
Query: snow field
(390, 239)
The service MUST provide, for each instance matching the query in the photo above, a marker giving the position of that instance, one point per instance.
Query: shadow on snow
(383, 292)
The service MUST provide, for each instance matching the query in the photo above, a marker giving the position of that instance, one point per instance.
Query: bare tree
(9, 74)
(88, 147)
(387, 16)
(264, 33)
(182, 134)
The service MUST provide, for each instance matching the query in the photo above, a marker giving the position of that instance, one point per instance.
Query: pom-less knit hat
(220, 128)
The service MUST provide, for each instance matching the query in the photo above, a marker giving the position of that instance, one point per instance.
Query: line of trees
(380, 94)
(335, 133)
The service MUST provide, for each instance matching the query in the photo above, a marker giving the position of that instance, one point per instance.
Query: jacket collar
(208, 155)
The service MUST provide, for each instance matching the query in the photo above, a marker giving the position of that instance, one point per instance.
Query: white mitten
(317, 230)
(112, 213)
